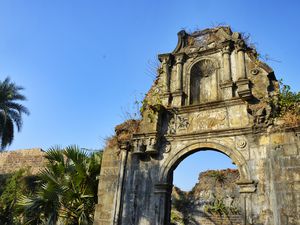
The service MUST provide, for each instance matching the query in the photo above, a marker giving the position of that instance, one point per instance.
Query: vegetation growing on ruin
(218, 175)
(215, 195)
(288, 105)
(217, 206)
(152, 103)
(123, 133)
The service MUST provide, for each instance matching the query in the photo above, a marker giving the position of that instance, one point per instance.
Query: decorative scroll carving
(183, 123)
(254, 71)
(241, 143)
(178, 123)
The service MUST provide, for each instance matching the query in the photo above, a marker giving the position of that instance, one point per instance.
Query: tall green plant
(68, 189)
(13, 186)
(11, 110)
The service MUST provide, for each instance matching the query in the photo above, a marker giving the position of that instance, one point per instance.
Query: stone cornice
(209, 133)
(207, 106)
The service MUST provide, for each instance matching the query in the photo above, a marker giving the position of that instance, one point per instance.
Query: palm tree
(68, 189)
(10, 110)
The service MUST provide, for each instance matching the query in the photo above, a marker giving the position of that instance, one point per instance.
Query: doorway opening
(204, 190)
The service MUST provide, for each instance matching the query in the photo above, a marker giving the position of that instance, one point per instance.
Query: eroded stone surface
(211, 93)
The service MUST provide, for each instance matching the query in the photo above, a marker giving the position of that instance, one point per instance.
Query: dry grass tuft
(290, 119)
(123, 132)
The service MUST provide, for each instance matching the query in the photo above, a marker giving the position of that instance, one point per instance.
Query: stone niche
(212, 92)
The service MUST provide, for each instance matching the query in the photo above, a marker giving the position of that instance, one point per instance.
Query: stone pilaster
(247, 188)
(163, 205)
(166, 77)
(226, 84)
(243, 83)
(178, 95)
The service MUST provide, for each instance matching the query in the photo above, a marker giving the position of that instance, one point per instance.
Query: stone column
(247, 188)
(242, 82)
(119, 193)
(226, 84)
(163, 205)
(108, 190)
(166, 77)
(178, 95)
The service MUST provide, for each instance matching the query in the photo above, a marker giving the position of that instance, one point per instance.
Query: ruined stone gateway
(213, 93)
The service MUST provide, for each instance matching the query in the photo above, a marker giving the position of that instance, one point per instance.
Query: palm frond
(7, 133)
(55, 155)
(10, 110)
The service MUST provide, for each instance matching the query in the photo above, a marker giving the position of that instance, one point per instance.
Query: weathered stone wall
(213, 199)
(275, 161)
(212, 92)
(222, 220)
(11, 161)
(106, 211)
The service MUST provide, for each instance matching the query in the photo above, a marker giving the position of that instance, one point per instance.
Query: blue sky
(83, 63)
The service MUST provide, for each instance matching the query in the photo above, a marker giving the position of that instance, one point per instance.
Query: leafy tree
(10, 110)
(68, 189)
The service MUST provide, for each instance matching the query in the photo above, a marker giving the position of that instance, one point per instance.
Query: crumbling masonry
(212, 92)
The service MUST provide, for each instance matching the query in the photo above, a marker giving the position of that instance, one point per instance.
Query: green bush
(13, 186)
(288, 101)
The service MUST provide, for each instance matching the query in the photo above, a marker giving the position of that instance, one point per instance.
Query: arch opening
(214, 197)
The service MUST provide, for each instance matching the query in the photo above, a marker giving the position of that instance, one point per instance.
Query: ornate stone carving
(204, 67)
(151, 146)
(240, 45)
(207, 120)
(226, 50)
(262, 113)
(183, 123)
(139, 147)
(172, 126)
(254, 71)
(241, 143)
(179, 58)
(177, 123)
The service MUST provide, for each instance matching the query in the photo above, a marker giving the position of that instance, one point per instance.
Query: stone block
(290, 149)
(277, 138)
(264, 140)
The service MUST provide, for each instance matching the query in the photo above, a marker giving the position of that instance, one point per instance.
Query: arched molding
(172, 161)
(194, 61)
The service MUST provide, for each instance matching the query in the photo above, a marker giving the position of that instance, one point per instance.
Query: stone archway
(134, 183)
(166, 174)
(173, 160)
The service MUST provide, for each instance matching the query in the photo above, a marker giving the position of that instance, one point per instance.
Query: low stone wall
(224, 220)
(11, 161)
